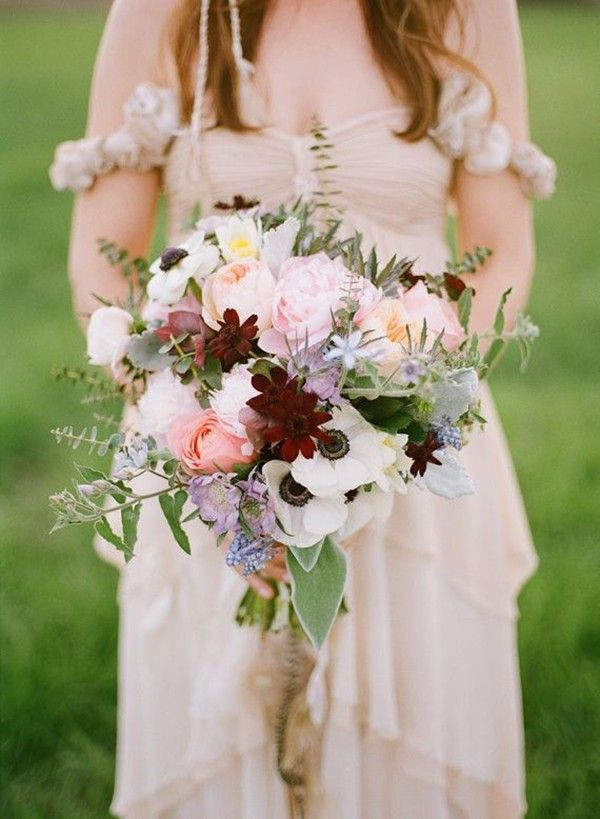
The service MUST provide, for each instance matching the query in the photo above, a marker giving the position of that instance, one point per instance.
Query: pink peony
(420, 304)
(203, 445)
(309, 290)
(230, 401)
(246, 286)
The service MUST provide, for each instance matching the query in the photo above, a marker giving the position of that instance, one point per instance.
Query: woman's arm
(492, 210)
(120, 206)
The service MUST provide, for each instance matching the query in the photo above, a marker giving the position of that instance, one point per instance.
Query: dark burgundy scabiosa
(293, 419)
(423, 454)
(454, 286)
(408, 279)
(238, 202)
(273, 390)
(297, 425)
(233, 341)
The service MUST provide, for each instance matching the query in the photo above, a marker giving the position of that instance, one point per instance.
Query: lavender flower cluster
(231, 504)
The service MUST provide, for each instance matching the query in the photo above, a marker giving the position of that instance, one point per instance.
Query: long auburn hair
(407, 37)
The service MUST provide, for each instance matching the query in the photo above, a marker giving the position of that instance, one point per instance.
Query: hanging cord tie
(201, 78)
(244, 68)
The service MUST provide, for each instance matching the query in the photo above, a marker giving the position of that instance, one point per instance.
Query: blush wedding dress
(417, 689)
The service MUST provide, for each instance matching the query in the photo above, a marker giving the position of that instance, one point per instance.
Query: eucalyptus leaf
(211, 373)
(316, 595)
(184, 364)
(394, 423)
(144, 351)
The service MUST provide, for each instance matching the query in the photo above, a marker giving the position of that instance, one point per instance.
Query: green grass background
(59, 621)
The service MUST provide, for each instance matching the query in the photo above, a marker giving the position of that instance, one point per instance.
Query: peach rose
(385, 328)
(420, 305)
(203, 445)
(247, 286)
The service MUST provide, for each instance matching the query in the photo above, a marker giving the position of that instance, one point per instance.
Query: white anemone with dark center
(177, 265)
(298, 510)
(343, 463)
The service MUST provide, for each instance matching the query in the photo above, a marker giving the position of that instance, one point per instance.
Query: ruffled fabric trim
(150, 120)
(464, 132)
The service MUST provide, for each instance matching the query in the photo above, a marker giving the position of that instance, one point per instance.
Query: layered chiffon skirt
(417, 690)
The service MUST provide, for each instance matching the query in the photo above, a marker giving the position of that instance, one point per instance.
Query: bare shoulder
(492, 40)
(132, 51)
(145, 13)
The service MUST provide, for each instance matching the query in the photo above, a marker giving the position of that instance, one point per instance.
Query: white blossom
(305, 518)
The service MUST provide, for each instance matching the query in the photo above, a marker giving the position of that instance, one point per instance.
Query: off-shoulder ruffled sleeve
(464, 131)
(150, 120)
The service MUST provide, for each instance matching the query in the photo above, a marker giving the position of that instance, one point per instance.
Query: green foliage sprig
(135, 270)
(98, 387)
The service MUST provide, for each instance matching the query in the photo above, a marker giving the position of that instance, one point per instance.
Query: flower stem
(139, 498)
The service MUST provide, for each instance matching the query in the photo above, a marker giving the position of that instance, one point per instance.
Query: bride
(415, 699)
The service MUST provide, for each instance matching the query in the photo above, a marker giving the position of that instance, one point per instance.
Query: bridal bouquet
(286, 388)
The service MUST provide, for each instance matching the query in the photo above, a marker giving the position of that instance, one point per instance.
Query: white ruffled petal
(167, 287)
(450, 480)
(278, 244)
(367, 506)
(324, 515)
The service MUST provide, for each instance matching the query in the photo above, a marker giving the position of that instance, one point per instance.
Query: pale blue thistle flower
(320, 376)
(348, 350)
(411, 370)
(131, 458)
(253, 555)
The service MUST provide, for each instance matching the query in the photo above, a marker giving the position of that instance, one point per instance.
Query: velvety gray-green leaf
(316, 595)
(307, 557)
